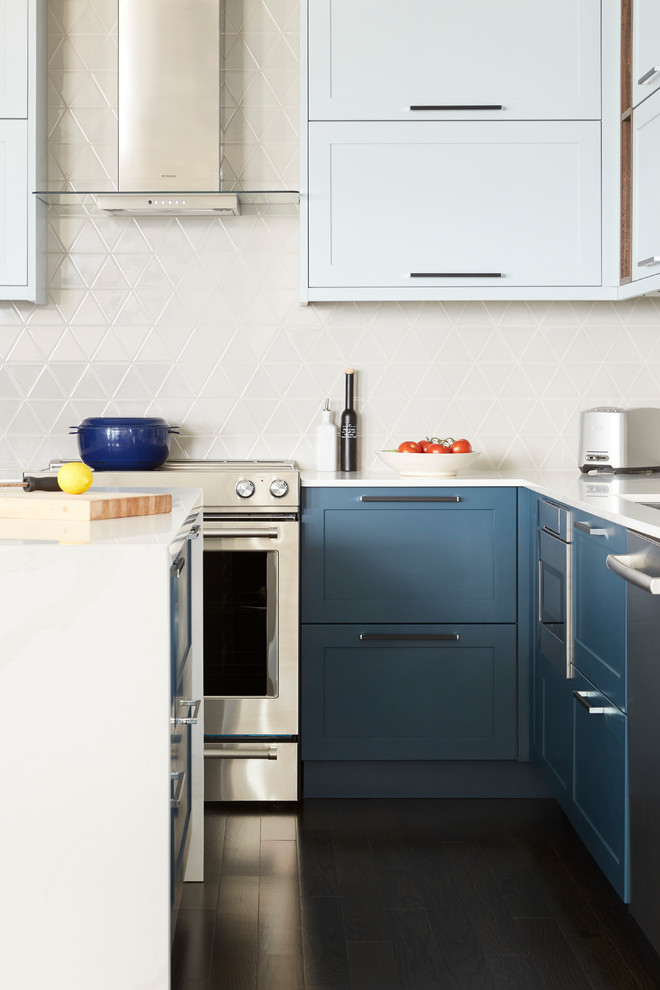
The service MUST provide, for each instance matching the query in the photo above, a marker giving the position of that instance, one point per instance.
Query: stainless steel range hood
(169, 109)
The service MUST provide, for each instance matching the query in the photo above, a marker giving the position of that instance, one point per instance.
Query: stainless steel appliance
(555, 611)
(251, 608)
(619, 440)
(169, 109)
(640, 567)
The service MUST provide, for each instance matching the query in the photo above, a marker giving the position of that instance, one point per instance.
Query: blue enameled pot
(124, 443)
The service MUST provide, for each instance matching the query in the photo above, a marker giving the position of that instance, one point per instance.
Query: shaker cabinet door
(430, 206)
(379, 60)
(13, 203)
(410, 692)
(646, 189)
(646, 49)
(13, 58)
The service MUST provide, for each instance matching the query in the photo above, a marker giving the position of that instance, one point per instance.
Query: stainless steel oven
(251, 594)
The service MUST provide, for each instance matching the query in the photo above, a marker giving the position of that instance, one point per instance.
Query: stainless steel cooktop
(236, 486)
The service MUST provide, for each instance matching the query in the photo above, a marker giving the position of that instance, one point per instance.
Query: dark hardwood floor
(416, 894)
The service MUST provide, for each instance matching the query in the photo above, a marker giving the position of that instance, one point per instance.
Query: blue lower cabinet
(409, 555)
(554, 729)
(600, 781)
(409, 692)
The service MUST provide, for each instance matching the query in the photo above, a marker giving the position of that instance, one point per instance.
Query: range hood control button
(278, 488)
(245, 488)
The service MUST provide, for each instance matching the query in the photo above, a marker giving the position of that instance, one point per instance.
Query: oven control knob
(245, 488)
(278, 488)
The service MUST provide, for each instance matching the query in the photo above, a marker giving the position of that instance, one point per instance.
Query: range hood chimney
(169, 109)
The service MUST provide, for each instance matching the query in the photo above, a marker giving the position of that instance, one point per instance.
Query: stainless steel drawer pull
(649, 262)
(648, 75)
(456, 275)
(241, 534)
(459, 106)
(594, 703)
(190, 719)
(410, 498)
(195, 532)
(585, 527)
(623, 565)
(408, 637)
(269, 753)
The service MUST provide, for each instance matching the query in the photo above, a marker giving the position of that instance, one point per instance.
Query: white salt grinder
(325, 441)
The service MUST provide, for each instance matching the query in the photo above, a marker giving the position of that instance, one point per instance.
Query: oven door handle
(266, 752)
(240, 534)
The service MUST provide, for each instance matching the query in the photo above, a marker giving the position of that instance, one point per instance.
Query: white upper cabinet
(522, 59)
(14, 204)
(646, 190)
(13, 58)
(646, 49)
(408, 210)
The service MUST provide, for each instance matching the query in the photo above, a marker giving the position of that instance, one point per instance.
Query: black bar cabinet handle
(458, 106)
(371, 637)
(410, 498)
(456, 275)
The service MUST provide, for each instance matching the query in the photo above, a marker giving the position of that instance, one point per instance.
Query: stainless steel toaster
(619, 440)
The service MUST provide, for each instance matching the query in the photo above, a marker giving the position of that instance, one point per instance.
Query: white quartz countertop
(159, 529)
(618, 498)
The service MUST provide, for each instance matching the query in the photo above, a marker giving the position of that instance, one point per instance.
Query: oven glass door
(240, 623)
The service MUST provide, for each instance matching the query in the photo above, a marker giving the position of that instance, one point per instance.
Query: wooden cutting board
(89, 506)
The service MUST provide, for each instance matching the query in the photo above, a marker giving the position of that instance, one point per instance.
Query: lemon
(74, 478)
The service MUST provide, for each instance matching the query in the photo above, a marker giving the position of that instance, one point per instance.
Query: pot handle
(74, 430)
(172, 429)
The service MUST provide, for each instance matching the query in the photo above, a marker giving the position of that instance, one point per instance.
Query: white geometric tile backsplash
(198, 320)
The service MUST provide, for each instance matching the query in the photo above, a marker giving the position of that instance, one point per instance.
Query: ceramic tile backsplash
(198, 320)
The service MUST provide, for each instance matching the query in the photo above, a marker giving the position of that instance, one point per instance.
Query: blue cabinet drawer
(600, 781)
(409, 555)
(599, 607)
(409, 692)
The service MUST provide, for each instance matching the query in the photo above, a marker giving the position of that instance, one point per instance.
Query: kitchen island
(100, 621)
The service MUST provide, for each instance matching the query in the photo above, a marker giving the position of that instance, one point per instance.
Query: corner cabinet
(409, 624)
(23, 69)
(464, 151)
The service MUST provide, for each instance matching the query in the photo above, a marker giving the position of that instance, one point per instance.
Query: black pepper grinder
(348, 422)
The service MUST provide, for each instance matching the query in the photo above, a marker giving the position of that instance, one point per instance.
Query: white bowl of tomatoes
(430, 458)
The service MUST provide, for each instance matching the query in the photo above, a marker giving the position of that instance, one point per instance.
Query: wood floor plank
(235, 949)
(193, 945)
(469, 870)
(324, 941)
(318, 872)
(420, 965)
(603, 965)
(280, 952)
(555, 964)
(240, 853)
(373, 966)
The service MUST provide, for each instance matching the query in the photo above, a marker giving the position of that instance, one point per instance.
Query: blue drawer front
(409, 561)
(599, 646)
(408, 699)
(600, 785)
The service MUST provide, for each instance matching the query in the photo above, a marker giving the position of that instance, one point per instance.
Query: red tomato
(461, 447)
(437, 448)
(409, 447)
(423, 445)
